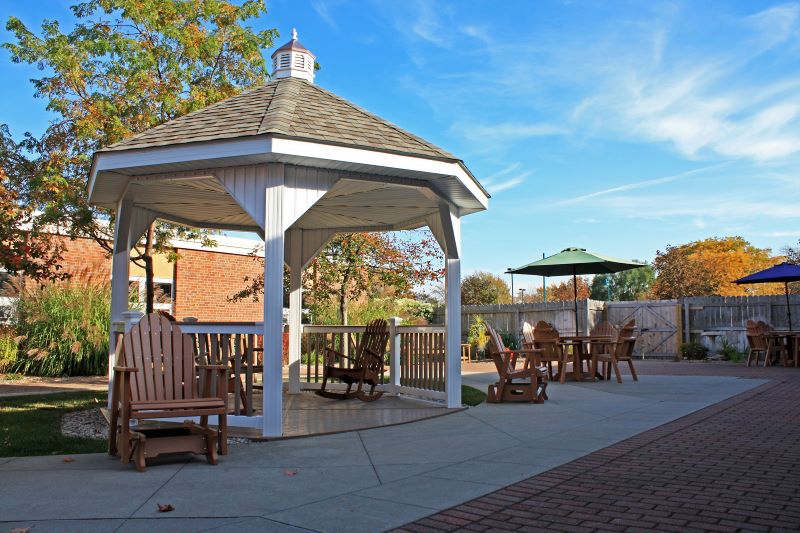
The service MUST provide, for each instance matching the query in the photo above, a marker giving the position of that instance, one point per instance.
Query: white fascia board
(293, 147)
(271, 148)
(180, 153)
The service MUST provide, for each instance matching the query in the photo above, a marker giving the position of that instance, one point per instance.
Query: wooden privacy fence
(661, 325)
(510, 317)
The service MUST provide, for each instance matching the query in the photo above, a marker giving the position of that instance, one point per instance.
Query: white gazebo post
(295, 307)
(130, 224)
(451, 227)
(273, 300)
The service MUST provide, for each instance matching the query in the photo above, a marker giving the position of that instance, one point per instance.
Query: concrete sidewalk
(361, 481)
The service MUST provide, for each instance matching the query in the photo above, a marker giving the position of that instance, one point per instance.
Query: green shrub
(729, 352)
(693, 350)
(63, 328)
(509, 340)
(8, 349)
(477, 335)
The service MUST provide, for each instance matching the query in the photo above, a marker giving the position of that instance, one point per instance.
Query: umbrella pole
(788, 308)
(575, 289)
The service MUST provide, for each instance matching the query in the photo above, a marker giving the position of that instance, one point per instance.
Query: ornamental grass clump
(63, 327)
(8, 349)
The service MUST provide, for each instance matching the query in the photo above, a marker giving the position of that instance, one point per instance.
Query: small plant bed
(31, 425)
(472, 396)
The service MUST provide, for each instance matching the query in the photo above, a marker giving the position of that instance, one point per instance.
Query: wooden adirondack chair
(366, 365)
(619, 350)
(525, 384)
(547, 339)
(156, 377)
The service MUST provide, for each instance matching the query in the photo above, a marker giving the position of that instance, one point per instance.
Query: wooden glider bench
(162, 382)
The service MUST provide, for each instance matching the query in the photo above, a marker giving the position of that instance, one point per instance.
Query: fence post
(131, 318)
(394, 352)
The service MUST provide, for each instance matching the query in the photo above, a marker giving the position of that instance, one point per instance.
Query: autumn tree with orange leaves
(123, 67)
(708, 268)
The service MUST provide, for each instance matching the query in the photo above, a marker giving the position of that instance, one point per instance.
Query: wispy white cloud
(323, 9)
(640, 184)
(427, 25)
(705, 103)
(505, 179)
(506, 131)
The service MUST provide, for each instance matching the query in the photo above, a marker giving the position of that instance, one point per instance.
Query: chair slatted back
(755, 336)
(603, 329)
(503, 361)
(528, 334)
(374, 340)
(164, 358)
(624, 348)
(546, 338)
(627, 329)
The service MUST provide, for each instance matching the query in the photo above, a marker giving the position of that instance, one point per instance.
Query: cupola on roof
(293, 60)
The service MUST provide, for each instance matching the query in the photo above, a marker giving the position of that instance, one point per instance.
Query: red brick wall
(85, 256)
(204, 280)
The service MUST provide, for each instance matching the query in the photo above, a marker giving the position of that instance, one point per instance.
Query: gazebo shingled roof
(289, 107)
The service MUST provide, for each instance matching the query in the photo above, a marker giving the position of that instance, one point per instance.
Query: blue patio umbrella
(782, 273)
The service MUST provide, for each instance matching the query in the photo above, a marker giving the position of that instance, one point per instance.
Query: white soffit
(111, 170)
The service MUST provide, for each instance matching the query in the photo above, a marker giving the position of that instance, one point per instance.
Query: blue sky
(620, 127)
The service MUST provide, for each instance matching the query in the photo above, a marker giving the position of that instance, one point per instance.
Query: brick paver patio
(734, 466)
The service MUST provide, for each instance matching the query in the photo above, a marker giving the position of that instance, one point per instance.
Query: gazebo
(295, 164)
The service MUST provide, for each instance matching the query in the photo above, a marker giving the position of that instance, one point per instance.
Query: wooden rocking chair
(156, 377)
(526, 384)
(366, 365)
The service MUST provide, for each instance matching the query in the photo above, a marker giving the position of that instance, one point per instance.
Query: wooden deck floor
(307, 414)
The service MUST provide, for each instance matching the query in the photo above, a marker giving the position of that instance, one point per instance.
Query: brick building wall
(85, 257)
(204, 280)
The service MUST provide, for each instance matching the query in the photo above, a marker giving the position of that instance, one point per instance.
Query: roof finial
(294, 34)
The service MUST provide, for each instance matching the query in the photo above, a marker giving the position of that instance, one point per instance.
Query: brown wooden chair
(620, 350)
(157, 377)
(525, 384)
(366, 365)
(776, 350)
(756, 342)
(547, 340)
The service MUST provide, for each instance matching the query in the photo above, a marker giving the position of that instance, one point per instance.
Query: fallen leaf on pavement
(165, 508)
(290, 473)
(69, 460)
(20, 530)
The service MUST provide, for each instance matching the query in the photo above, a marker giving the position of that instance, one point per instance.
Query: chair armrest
(213, 367)
(373, 355)
(337, 355)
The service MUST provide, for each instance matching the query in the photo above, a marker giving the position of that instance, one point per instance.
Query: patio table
(791, 340)
(579, 343)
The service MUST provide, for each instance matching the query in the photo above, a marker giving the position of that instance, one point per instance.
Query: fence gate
(658, 323)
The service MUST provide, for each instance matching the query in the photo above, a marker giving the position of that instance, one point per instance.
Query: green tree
(124, 67)
(353, 265)
(629, 285)
(484, 288)
(28, 212)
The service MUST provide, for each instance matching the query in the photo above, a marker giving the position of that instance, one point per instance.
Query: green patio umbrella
(575, 261)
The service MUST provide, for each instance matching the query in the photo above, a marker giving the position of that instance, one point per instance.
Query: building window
(162, 292)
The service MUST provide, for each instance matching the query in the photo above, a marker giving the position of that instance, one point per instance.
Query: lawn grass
(472, 396)
(31, 425)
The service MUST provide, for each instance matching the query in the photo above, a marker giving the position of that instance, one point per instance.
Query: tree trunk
(148, 268)
(343, 307)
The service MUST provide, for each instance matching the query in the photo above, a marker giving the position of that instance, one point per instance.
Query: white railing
(414, 362)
